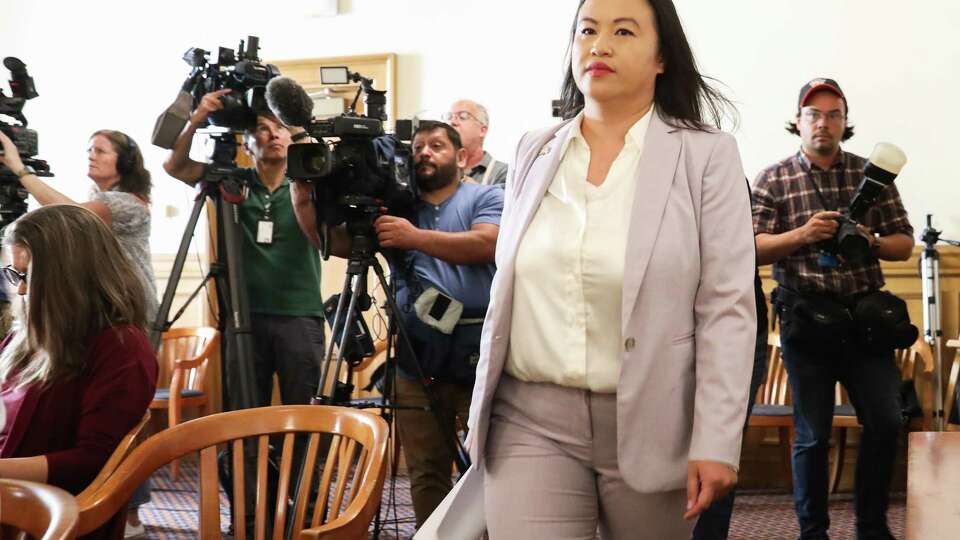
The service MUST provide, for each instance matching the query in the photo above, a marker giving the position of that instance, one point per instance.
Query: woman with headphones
(121, 199)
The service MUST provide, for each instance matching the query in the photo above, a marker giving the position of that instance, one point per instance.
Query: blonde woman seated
(77, 372)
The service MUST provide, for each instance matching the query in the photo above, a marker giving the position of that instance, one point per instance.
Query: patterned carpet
(172, 513)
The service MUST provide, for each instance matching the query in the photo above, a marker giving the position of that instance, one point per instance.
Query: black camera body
(848, 242)
(357, 167)
(242, 72)
(13, 197)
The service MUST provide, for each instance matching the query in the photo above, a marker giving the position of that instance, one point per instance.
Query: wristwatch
(876, 242)
(25, 171)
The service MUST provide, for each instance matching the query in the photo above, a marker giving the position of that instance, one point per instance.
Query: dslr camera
(356, 168)
(848, 242)
(13, 197)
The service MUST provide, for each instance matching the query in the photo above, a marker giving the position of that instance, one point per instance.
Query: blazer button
(629, 344)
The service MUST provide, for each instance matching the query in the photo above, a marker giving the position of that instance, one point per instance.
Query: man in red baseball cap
(796, 204)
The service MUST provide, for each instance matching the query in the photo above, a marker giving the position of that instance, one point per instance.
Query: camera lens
(853, 245)
(309, 160)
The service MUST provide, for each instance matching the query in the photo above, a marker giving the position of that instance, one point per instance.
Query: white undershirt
(568, 285)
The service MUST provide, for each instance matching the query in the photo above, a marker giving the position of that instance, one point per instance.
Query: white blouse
(568, 284)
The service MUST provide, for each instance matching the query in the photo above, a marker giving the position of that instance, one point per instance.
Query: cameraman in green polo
(282, 268)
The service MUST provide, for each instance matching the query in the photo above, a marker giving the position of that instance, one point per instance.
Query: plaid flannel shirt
(785, 197)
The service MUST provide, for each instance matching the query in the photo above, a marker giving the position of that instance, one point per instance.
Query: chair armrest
(127, 444)
(925, 388)
(344, 527)
(188, 363)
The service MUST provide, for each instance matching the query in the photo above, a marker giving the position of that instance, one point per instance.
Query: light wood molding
(381, 68)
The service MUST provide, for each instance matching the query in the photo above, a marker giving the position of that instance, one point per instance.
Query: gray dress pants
(551, 471)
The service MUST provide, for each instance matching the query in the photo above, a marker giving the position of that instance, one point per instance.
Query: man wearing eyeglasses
(795, 206)
(471, 121)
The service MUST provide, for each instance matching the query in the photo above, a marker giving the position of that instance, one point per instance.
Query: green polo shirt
(283, 276)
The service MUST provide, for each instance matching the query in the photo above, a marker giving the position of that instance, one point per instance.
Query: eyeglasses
(13, 276)
(462, 116)
(813, 115)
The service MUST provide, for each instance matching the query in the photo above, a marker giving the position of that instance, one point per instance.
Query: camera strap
(823, 200)
(820, 196)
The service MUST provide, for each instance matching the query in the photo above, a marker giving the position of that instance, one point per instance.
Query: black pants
(292, 348)
(714, 522)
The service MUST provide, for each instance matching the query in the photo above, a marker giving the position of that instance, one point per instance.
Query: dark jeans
(873, 383)
(714, 522)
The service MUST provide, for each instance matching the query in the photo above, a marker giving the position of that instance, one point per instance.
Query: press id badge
(264, 232)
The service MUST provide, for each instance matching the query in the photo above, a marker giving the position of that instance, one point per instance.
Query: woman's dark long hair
(134, 177)
(681, 94)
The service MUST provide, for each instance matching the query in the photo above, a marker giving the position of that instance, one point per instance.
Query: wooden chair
(773, 407)
(950, 399)
(126, 445)
(350, 483)
(36, 510)
(184, 357)
(916, 364)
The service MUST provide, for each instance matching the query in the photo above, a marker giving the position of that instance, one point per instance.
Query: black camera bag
(813, 319)
(883, 322)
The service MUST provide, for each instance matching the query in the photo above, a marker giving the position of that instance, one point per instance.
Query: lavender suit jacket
(689, 318)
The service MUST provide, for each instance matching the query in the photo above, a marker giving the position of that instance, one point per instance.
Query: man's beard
(439, 176)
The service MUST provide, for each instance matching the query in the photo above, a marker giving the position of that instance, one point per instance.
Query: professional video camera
(13, 197)
(241, 72)
(356, 168)
(881, 170)
(246, 77)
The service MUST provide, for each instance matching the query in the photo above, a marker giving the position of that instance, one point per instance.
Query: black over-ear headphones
(127, 158)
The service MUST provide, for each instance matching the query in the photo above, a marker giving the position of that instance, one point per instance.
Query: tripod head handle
(931, 236)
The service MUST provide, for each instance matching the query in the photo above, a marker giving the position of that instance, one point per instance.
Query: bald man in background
(472, 121)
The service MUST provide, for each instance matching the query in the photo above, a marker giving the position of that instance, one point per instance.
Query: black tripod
(223, 186)
(363, 247)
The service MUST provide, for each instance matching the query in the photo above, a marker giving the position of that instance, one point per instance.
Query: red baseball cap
(818, 84)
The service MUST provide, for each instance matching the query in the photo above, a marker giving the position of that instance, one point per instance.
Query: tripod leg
(460, 456)
(338, 316)
(160, 324)
(359, 290)
(238, 318)
(238, 363)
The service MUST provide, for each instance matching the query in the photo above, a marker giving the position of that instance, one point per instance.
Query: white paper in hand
(460, 515)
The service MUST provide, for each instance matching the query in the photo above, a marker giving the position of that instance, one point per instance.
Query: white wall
(117, 64)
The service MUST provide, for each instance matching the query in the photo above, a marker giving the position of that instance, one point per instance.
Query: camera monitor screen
(334, 75)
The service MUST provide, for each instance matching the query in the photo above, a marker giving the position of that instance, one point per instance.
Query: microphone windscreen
(888, 157)
(289, 101)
